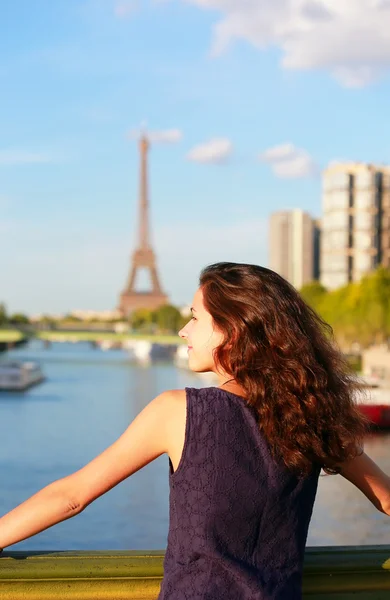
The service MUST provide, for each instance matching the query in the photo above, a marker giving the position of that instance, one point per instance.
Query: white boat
(181, 356)
(19, 375)
(375, 404)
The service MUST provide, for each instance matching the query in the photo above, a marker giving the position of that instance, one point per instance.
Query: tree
(3, 315)
(374, 307)
(358, 312)
(184, 320)
(313, 294)
(47, 321)
(168, 319)
(19, 319)
(142, 319)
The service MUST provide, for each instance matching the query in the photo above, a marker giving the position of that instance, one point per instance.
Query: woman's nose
(183, 333)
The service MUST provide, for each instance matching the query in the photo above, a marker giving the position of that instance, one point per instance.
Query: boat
(19, 375)
(145, 351)
(375, 404)
(181, 356)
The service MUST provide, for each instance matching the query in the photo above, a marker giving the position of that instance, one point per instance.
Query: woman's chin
(196, 368)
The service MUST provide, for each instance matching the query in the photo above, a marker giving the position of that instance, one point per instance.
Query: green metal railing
(330, 573)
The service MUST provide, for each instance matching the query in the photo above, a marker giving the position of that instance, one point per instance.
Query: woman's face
(202, 337)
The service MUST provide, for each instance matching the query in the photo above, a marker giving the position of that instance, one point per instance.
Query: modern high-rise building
(292, 243)
(355, 233)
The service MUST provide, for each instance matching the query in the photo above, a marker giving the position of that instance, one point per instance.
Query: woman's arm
(146, 438)
(370, 479)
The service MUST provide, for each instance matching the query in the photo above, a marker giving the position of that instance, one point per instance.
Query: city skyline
(240, 130)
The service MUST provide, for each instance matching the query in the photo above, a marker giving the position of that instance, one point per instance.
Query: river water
(89, 398)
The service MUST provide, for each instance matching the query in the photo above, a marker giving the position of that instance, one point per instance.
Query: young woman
(244, 456)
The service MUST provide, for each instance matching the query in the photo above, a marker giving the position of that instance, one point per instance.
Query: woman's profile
(244, 456)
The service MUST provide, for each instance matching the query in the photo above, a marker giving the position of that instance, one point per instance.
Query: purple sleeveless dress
(238, 519)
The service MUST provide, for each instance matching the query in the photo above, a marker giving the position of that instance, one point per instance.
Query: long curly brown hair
(283, 355)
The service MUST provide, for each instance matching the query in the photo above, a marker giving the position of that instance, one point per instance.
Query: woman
(244, 456)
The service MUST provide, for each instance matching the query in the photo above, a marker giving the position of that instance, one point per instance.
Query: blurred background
(140, 141)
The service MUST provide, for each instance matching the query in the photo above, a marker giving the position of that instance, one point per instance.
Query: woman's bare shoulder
(176, 416)
(173, 395)
(174, 402)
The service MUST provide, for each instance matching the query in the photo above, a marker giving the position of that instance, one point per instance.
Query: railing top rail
(334, 571)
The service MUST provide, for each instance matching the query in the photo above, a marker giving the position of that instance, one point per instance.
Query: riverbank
(93, 336)
(11, 338)
(13, 335)
(10, 335)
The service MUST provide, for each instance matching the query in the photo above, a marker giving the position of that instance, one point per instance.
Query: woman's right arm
(146, 438)
(365, 474)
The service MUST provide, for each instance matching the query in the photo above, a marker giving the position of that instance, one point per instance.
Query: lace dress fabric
(238, 519)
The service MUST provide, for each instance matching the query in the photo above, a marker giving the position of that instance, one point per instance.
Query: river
(87, 401)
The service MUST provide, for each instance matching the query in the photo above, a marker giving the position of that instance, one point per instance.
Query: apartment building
(292, 246)
(355, 232)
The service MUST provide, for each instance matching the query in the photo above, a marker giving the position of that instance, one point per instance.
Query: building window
(351, 182)
(350, 231)
(350, 268)
(378, 218)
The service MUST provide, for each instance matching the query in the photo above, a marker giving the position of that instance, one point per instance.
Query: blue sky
(247, 101)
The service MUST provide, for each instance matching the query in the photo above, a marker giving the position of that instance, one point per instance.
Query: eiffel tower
(143, 255)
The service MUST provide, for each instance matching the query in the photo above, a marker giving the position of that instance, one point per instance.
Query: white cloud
(217, 150)
(167, 136)
(347, 38)
(22, 157)
(288, 161)
(124, 9)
